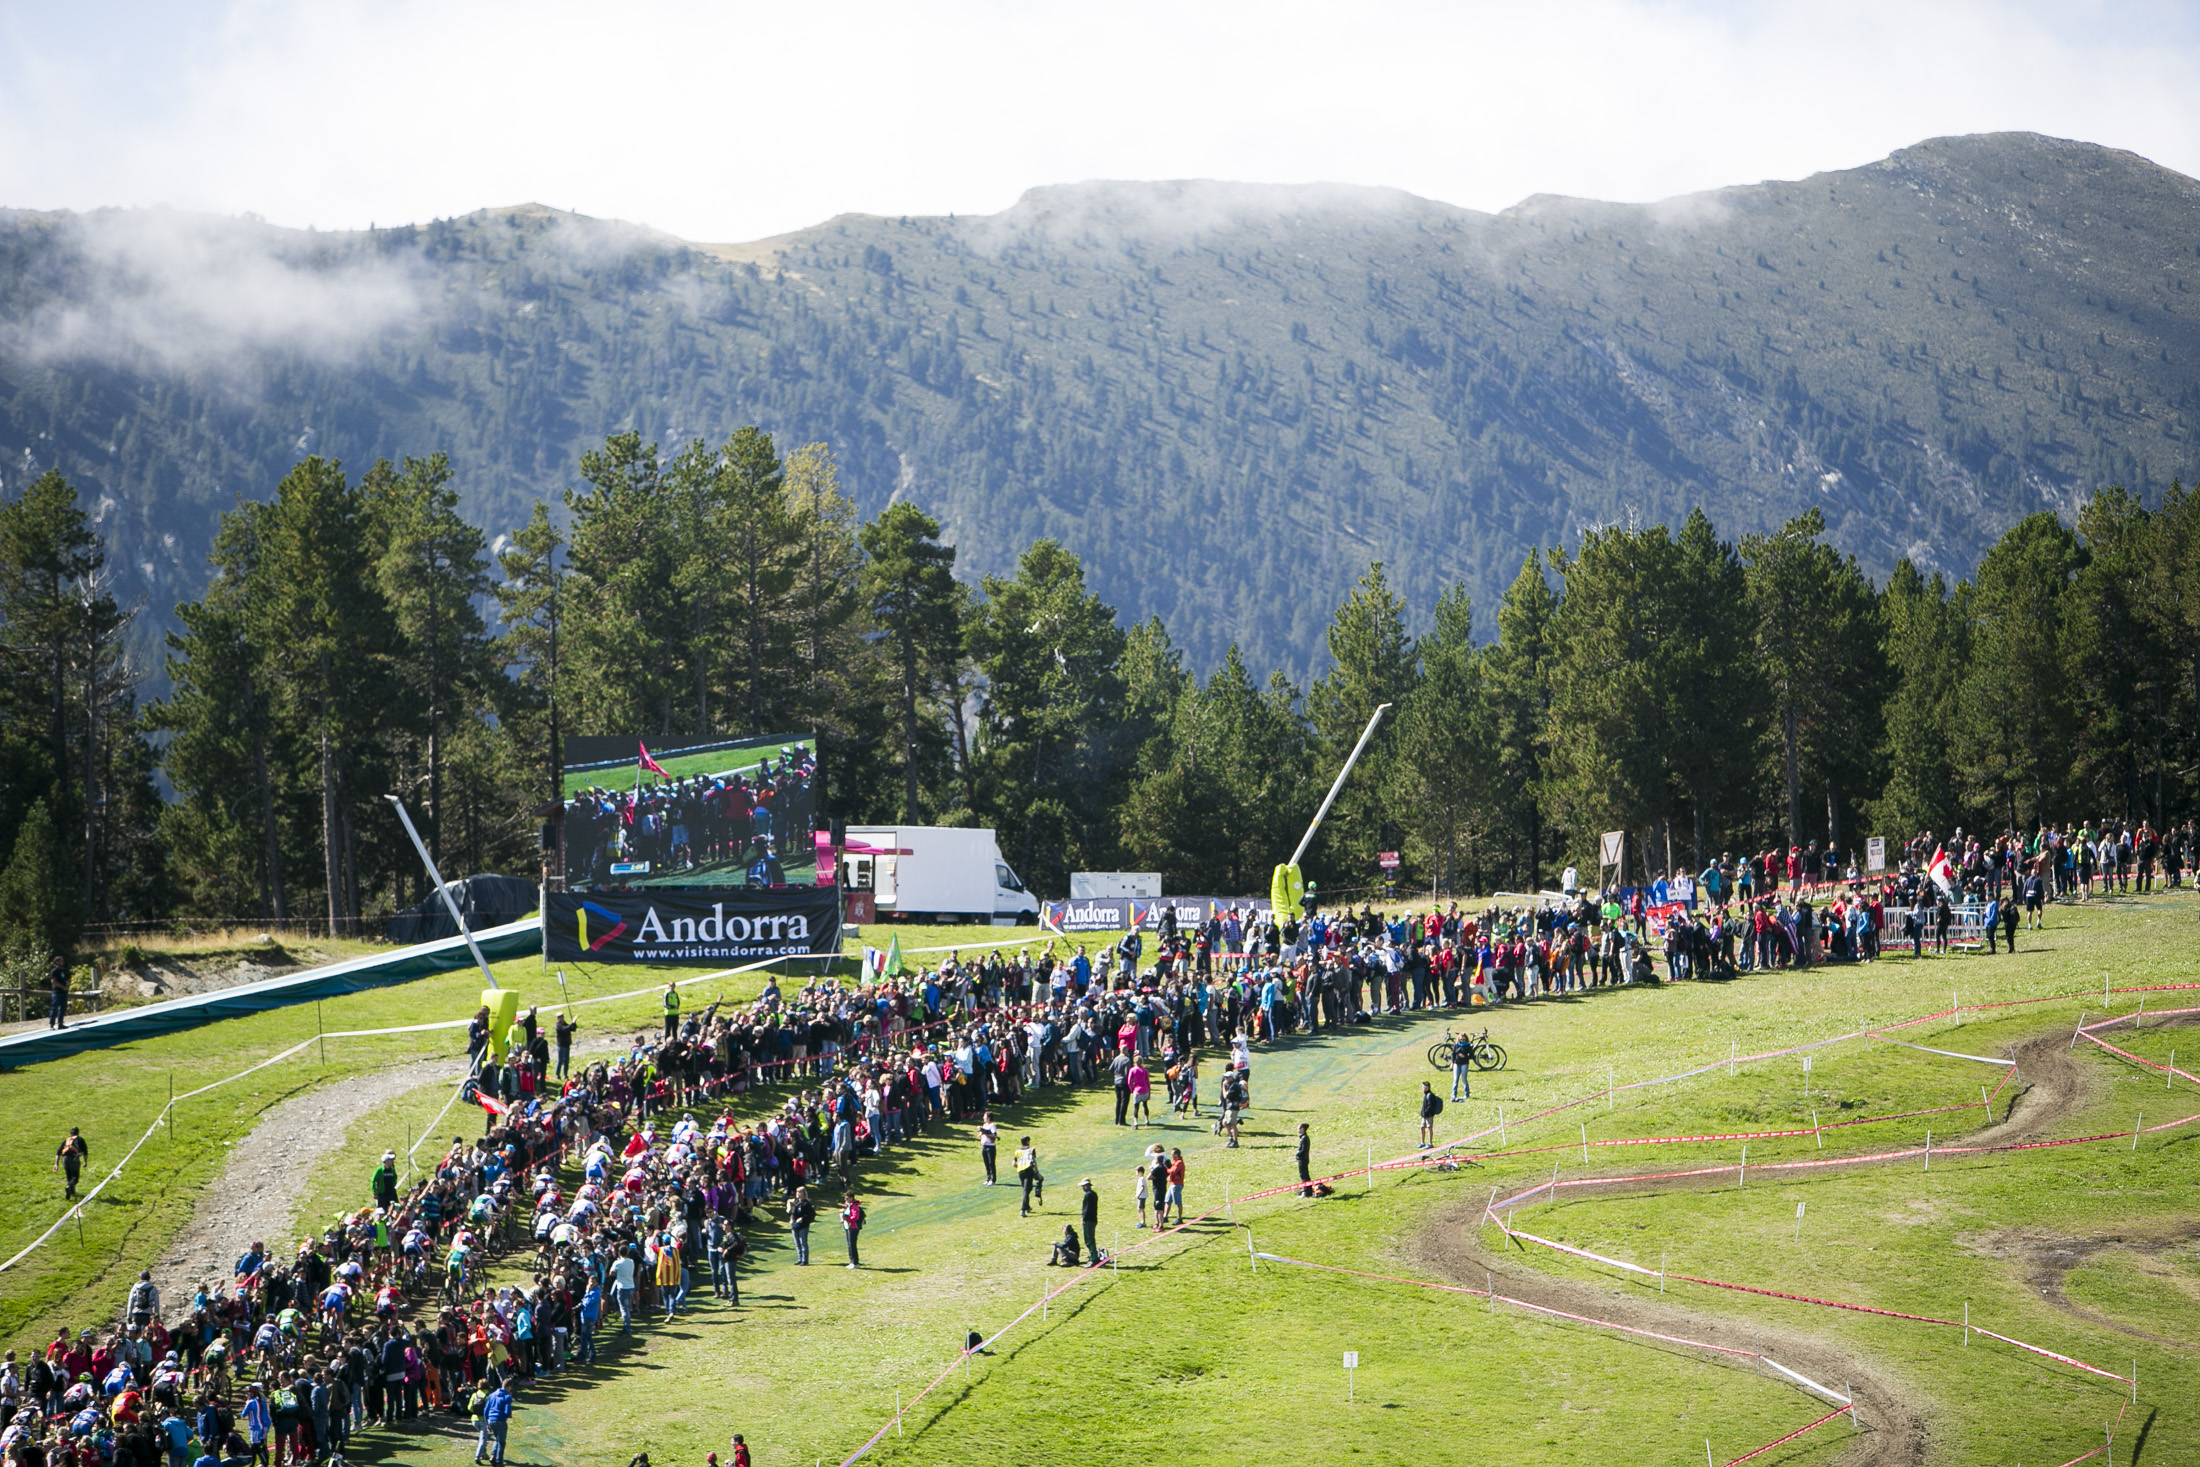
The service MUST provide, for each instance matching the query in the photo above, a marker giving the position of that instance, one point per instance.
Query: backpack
(1439, 1107)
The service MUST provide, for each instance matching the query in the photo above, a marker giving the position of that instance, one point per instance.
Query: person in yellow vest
(672, 1010)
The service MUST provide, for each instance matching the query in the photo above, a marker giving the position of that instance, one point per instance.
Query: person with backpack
(851, 1220)
(1432, 1106)
(801, 1212)
(1027, 1174)
(496, 1420)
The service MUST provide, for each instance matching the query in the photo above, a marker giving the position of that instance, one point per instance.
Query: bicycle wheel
(1439, 1054)
(1491, 1056)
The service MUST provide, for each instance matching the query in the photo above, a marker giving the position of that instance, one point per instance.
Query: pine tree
(2014, 707)
(1516, 676)
(1928, 645)
(1820, 651)
(432, 569)
(1447, 739)
(327, 633)
(1372, 661)
(40, 902)
(908, 585)
(753, 545)
(1049, 650)
(531, 601)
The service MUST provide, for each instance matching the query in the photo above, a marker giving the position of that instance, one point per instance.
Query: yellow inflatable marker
(1287, 890)
(503, 1007)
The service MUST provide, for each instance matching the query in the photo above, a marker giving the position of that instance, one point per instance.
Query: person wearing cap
(258, 1420)
(1088, 1212)
(384, 1181)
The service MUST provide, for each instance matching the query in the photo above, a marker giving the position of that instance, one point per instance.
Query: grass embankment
(114, 1094)
(1190, 1345)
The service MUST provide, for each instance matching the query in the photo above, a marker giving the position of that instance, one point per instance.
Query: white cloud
(727, 122)
(189, 289)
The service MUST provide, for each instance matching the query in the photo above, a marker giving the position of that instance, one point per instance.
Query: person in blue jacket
(496, 1419)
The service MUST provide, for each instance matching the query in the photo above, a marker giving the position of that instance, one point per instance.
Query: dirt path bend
(259, 1189)
(1891, 1417)
(2051, 1085)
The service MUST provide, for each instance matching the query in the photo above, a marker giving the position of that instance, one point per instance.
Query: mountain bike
(1478, 1050)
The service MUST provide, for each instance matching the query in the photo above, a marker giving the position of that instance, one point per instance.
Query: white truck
(935, 873)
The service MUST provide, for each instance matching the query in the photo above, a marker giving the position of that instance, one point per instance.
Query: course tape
(1791, 1436)
(1804, 1381)
(1431, 1155)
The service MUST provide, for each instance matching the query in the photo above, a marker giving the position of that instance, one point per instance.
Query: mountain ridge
(1226, 397)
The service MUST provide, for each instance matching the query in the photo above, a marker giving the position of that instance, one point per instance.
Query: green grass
(1189, 1342)
(709, 763)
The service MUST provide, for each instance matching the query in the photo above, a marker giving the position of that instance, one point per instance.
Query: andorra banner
(670, 925)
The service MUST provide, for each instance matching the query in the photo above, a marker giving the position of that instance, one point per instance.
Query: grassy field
(2086, 1250)
(709, 763)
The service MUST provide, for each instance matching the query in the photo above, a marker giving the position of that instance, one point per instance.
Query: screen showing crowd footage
(682, 812)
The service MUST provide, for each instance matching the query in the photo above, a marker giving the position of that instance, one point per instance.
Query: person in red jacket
(851, 1219)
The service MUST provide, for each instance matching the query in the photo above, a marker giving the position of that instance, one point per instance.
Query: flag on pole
(1943, 871)
(650, 764)
(873, 962)
(472, 1091)
(894, 967)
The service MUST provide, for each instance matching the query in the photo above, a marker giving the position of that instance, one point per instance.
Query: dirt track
(266, 1175)
(1892, 1415)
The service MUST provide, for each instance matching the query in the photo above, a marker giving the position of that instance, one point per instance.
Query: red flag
(490, 1104)
(650, 764)
(1942, 870)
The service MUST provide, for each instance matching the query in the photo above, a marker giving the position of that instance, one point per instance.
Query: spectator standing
(69, 1159)
(496, 1420)
(851, 1221)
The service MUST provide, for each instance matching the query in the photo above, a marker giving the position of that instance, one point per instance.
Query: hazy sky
(731, 121)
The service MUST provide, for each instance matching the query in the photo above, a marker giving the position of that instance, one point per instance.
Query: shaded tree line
(359, 637)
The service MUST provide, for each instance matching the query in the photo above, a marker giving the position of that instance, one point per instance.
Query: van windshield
(1006, 877)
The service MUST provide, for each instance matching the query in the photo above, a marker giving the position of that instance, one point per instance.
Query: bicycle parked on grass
(1478, 1050)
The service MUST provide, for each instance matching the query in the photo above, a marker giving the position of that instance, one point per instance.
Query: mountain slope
(1227, 398)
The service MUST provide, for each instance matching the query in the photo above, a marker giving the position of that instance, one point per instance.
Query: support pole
(1816, 1129)
(450, 902)
(320, 1030)
(1330, 798)
(171, 1107)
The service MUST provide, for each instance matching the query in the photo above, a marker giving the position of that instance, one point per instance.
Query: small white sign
(1875, 854)
(1352, 1360)
(1612, 847)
